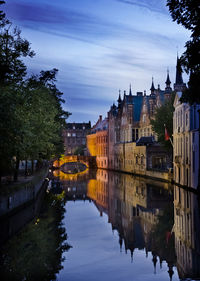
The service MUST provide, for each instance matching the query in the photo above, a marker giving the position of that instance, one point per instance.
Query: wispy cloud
(151, 5)
(98, 48)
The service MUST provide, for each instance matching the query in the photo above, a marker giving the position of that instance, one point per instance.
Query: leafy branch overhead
(187, 13)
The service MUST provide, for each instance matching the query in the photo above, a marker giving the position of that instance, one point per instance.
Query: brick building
(97, 142)
(75, 137)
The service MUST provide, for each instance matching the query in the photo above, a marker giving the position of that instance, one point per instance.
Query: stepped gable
(101, 125)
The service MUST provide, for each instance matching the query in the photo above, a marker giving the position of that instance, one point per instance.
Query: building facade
(75, 137)
(186, 142)
(97, 142)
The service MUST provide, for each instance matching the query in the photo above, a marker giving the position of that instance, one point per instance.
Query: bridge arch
(88, 161)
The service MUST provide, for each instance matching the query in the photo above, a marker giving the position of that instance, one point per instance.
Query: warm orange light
(67, 159)
(63, 176)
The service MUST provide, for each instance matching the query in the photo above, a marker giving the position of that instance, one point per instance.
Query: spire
(119, 99)
(170, 271)
(124, 98)
(152, 86)
(168, 82)
(179, 79)
(154, 260)
(130, 92)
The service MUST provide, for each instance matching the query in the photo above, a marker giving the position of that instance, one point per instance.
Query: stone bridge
(89, 161)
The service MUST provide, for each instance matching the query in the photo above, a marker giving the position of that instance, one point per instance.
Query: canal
(104, 226)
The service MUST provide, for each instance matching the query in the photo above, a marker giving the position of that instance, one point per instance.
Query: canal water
(106, 226)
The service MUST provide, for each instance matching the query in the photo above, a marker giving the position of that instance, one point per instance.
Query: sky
(99, 47)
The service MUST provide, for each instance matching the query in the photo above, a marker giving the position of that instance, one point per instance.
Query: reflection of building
(134, 208)
(75, 137)
(186, 230)
(98, 190)
(75, 185)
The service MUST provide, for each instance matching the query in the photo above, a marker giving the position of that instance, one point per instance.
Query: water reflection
(152, 221)
(156, 217)
(36, 252)
(187, 233)
(140, 210)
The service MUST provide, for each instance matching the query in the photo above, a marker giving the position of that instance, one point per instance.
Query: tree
(2, 14)
(31, 114)
(164, 117)
(12, 49)
(187, 13)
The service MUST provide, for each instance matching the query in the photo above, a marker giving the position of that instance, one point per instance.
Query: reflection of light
(63, 176)
(67, 159)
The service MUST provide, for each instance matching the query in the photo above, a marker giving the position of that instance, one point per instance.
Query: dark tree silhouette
(187, 13)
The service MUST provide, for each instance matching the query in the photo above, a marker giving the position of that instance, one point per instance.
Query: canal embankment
(16, 196)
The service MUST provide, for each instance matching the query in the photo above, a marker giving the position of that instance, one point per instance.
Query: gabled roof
(101, 125)
(145, 141)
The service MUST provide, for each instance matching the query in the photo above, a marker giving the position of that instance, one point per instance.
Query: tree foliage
(32, 117)
(187, 13)
(164, 117)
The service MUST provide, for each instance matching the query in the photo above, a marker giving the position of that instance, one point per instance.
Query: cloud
(46, 14)
(151, 5)
(57, 20)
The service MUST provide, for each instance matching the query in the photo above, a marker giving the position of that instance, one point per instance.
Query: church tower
(179, 86)
(152, 89)
(168, 89)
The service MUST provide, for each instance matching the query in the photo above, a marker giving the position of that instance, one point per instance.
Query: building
(129, 126)
(97, 142)
(185, 136)
(75, 137)
(186, 142)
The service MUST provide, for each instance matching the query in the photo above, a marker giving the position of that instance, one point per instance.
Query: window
(136, 138)
(193, 161)
(69, 134)
(83, 127)
(74, 134)
(186, 119)
(74, 127)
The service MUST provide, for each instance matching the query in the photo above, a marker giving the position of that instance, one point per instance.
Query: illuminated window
(69, 134)
(74, 134)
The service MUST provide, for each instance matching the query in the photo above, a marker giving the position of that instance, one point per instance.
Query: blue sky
(99, 47)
